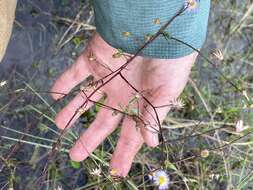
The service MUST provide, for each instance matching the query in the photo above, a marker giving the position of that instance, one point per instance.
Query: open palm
(142, 82)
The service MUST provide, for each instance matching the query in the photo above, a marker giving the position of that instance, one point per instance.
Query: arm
(160, 74)
(7, 15)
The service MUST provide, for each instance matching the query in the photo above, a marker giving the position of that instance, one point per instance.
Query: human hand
(159, 81)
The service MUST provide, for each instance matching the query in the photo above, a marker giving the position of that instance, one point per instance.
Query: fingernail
(155, 140)
(115, 174)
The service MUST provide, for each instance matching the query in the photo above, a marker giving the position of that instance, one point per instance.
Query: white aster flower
(59, 188)
(96, 172)
(217, 54)
(161, 179)
(192, 5)
(81, 111)
(204, 153)
(3, 83)
(239, 126)
(177, 103)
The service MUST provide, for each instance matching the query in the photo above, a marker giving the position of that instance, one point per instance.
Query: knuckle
(97, 66)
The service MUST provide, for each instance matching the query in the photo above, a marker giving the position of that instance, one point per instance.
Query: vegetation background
(207, 147)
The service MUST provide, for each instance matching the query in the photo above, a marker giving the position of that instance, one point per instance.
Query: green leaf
(171, 166)
(75, 165)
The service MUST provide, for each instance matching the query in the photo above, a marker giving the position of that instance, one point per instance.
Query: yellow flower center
(126, 34)
(162, 180)
(192, 4)
(113, 172)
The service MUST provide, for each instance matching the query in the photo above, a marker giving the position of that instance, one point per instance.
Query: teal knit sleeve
(127, 24)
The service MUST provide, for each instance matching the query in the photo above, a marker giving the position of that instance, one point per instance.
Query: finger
(70, 113)
(71, 77)
(153, 119)
(104, 124)
(129, 143)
